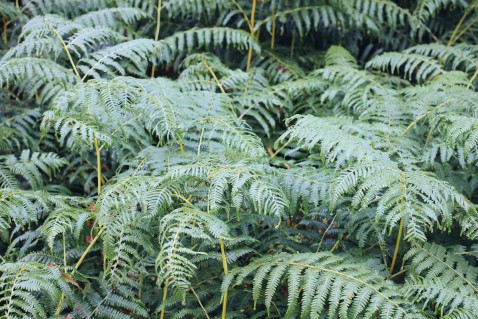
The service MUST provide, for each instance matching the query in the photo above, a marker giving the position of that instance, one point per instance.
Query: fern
(238, 159)
(323, 282)
(443, 278)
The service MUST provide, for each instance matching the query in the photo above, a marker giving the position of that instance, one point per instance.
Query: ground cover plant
(238, 159)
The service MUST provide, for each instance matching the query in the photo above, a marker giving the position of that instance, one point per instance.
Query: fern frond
(427, 9)
(322, 283)
(175, 261)
(443, 278)
(21, 281)
(31, 166)
(420, 198)
(112, 17)
(412, 66)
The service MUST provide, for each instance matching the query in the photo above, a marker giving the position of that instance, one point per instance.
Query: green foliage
(168, 159)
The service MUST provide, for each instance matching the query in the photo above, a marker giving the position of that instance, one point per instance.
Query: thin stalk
(156, 35)
(397, 274)
(165, 295)
(224, 266)
(5, 35)
(397, 245)
(292, 44)
(98, 164)
(458, 26)
(78, 264)
(64, 251)
(273, 30)
(80, 261)
(219, 85)
(426, 114)
(279, 150)
(200, 303)
(468, 26)
(65, 47)
(472, 79)
(249, 55)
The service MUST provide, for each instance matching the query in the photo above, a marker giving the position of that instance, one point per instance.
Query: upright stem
(253, 14)
(98, 164)
(397, 245)
(224, 266)
(458, 26)
(273, 30)
(292, 44)
(156, 35)
(165, 295)
(5, 35)
(78, 264)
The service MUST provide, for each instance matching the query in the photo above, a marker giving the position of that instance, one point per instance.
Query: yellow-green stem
(78, 264)
(200, 303)
(292, 44)
(249, 55)
(224, 266)
(98, 164)
(425, 115)
(219, 85)
(165, 295)
(65, 47)
(156, 35)
(397, 245)
(458, 26)
(5, 35)
(273, 30)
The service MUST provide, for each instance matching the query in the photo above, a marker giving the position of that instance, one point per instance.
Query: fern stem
(65, 47)
(249, 55)
(64, 250)
(78, 264)
(224, 266)
(5, 35)
(458, 26)
(165, 295)
(468, 26)
(80, 261)
(219, 85)
(427, 113)
(397, 274)
(98, 164)
(472, 79)
(292, 44)
(241, 10)
(397, 245)
(200, 303)
(156, 35)
(273, 31)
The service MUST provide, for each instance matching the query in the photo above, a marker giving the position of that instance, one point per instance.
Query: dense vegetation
(239, 159)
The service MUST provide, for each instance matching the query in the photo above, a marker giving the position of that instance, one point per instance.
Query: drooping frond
(421, 199)
(323, 283)
(411, 65)
(427, 9)
(31, 166)
(20, 282)
(141, 51)
(441, 277)
(175, 261)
